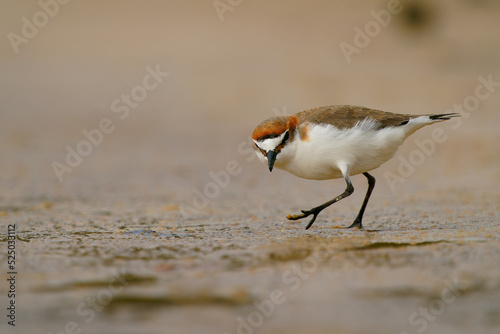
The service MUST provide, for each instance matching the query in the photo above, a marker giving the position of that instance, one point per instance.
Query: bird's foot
(305, 213)
(296, 217)
(357, 223)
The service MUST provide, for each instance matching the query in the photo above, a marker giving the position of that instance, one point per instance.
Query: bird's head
(272, 136)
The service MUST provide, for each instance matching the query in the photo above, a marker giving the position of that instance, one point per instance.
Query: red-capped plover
(333, 142)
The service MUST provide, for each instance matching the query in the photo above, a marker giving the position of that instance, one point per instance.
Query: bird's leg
(359, 218)
(315, 211)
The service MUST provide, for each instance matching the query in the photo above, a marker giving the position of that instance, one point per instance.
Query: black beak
(271, 158)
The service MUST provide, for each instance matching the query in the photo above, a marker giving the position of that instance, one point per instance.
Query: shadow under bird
(333, 142)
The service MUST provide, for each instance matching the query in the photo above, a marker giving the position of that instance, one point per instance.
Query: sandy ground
(169, 224)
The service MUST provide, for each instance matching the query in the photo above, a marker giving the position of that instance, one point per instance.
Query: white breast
(328, 150)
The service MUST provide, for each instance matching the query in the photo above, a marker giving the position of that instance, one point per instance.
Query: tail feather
(443, 117)
(422, 120)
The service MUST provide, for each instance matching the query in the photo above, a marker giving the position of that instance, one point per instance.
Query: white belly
(328, 150)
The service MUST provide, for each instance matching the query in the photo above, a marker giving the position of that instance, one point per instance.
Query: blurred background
(231, 64)
(229, 67)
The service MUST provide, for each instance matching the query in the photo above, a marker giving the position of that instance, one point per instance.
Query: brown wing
(345, 116)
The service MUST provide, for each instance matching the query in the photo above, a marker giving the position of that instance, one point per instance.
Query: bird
(337, 141)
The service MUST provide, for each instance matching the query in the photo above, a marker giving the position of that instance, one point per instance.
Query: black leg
(371, 184)
(315, 211)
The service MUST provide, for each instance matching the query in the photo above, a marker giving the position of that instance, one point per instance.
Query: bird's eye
(285, 139)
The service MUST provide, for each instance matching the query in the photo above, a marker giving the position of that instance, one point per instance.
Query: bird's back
(346, 116)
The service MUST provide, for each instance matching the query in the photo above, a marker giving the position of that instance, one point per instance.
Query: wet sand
(171, 225)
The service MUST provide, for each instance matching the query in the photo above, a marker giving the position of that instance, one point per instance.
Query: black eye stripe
(270, 136)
